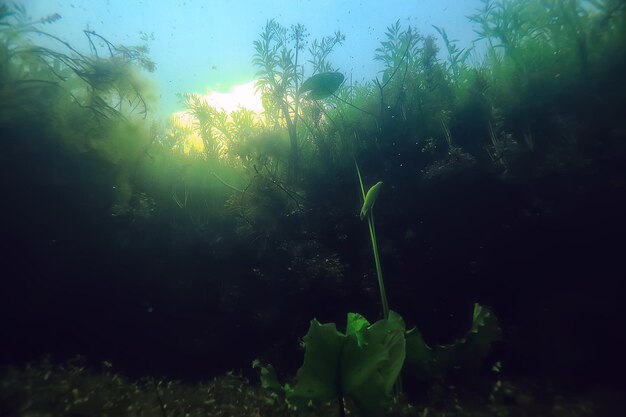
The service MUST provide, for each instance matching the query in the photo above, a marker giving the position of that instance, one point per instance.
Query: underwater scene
(313, 208)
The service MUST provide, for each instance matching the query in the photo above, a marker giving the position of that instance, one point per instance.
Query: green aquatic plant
(457, 57)
(320, 49)
(426, 363)
(105, 81)
(211, 124)
(364, 363)
(84, 103)
(520, 29)
(543, 64)
(367, 211)
(78, 387)
(416, 88)
(361, 364)
(399, 52)
(278, 55)
(370, 199)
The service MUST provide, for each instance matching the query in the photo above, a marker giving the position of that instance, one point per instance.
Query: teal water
(207, 45)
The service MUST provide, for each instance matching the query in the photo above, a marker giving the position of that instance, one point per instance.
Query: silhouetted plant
(398, 53)
(538, 53)
(210, 124)
(277, 54)
(320, 49)
(108, 82)
(457, 57)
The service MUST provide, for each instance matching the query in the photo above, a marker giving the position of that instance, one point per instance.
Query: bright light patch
(188, 140)
(240, 96)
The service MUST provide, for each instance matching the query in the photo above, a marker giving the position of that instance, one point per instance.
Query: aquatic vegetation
(75, 389)
(320, 49)
(87, 105)
(279, 79)
(278, 56)
(457, 57)
(370, 199)
(362, 365)
(104, 83)
(520, 29)
(366, 211)
(464, 355)
(261, 209)
(212, 125)
(456, 163)
(399, 52)
(72, 388)
(538, 53)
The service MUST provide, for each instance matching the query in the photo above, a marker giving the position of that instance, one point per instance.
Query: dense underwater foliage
(202, 243)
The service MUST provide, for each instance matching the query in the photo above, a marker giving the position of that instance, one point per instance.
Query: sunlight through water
(240, 97)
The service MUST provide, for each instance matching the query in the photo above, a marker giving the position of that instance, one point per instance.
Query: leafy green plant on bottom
(361, 364)
(426, 363)
(278, 56)
(423, 361)
(364, 363)
(367, 211)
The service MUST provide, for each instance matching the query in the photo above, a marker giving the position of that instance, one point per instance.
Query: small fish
(321, 85)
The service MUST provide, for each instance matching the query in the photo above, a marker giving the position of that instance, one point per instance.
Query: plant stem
(158, 396)
(379, 271)
(353, 106)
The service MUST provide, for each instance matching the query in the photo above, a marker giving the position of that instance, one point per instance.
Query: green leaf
(468, 352)
(362, 364)
(369, 370)
(370, 199)
(485, 331)
(356, 326)
(318, 378)
(269, 379)
(419, 356)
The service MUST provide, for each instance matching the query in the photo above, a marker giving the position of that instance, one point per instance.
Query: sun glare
(242, 96)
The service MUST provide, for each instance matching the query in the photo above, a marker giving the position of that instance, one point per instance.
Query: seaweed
(280, 75)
